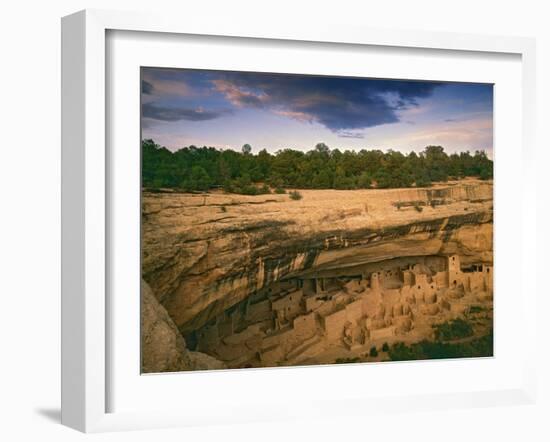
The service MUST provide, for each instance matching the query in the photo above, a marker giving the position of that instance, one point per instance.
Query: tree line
(202, 168)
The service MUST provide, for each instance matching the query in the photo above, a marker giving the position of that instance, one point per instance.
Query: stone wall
(404, 299)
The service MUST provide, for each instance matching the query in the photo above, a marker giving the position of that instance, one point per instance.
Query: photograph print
(299, 220)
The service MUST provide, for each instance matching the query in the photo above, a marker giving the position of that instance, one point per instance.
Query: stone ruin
(295, 320)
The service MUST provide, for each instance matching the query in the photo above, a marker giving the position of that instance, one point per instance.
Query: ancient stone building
(296, 319)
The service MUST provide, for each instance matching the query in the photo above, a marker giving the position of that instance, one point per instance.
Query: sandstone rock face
(202, 361)
(203, 254)
(162, 346)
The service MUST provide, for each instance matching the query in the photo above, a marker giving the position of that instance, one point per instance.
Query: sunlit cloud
(239, 96)
(299, 116)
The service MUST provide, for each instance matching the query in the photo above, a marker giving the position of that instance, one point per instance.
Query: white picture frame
(86, 206)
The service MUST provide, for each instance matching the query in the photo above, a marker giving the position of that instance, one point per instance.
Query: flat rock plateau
(265, 280)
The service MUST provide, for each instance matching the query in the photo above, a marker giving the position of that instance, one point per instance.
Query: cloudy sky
(181, 107)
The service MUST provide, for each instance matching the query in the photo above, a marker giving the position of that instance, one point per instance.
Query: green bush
(423, 181)
(364, 181)
(385, 347)
(455, 329)
(295, 195)
(401, 352)
(476, 348)
(373, 352)
(243, 186)
(249, 189)
(198, 179)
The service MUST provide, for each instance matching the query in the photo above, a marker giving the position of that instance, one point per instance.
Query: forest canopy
(202, 168)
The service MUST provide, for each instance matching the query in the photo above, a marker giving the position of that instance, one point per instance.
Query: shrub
(223, 209)
(295, 195)
(486, 173)
(280, 190)
(418, 207)
(373, 351)
(385, 347)
(364, 181)
(198, 179)
(479, 347)
(423, 181)
(455, 329)
(248, 189)
(401, 352)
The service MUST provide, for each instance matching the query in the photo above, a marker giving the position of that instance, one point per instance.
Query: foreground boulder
(163, 348)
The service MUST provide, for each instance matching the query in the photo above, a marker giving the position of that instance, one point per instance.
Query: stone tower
(487, 276)
(375, 281)
(453, 266)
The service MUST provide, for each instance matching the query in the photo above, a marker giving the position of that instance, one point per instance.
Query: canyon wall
(203, 253)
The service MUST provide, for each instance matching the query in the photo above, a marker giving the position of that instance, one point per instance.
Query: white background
(29, 223)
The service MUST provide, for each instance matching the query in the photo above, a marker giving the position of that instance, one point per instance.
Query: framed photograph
(283, 222)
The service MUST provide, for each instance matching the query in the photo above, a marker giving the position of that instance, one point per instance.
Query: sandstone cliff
(162, 346)
(204, 253)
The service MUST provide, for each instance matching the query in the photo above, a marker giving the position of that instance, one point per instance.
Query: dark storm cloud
(162, 113)
(337, 103)
(343, 105)
(146, 87)
(408, 91)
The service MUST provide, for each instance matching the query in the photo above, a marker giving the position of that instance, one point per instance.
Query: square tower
(453, 268)
(408, 277)
(487, 276)
(375, 281)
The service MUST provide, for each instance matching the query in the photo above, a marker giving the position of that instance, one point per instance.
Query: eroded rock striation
(204, 255)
